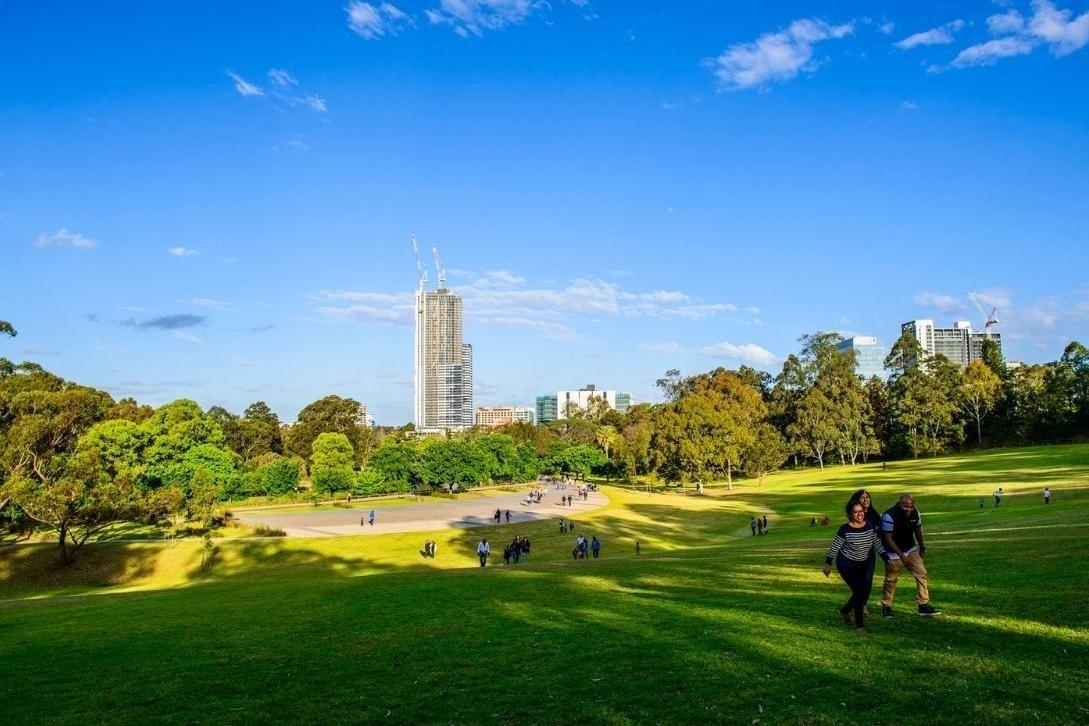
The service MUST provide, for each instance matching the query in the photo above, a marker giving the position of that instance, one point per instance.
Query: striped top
(855, 544)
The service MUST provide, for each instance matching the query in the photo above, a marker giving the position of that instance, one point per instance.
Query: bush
(281, 477)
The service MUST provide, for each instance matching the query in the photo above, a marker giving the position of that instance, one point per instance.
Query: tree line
(74, 460)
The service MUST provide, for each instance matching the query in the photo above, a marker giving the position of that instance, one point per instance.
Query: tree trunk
(64, 544)
(979, 431)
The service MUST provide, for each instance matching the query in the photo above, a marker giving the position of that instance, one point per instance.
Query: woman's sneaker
(927, 611)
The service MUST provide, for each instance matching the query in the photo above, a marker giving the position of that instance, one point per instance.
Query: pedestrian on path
(482, 551)
(508, 516)
(370, 518)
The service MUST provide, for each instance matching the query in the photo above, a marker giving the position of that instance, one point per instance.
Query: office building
(492, 416)
(869, 356)
(363, 418)
(959, 343)
(547, 408)
(551, 407)
(443, 362)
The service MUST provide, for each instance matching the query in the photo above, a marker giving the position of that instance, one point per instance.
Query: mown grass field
(707, 624)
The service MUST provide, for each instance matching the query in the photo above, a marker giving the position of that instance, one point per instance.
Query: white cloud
(1055, 27)
(942, 35)
(182, 251)
(281, 78)
(502, 298)
(187, 337)
(241, 361)
(64, 238)
(746, 352)
(994, 298)
(316, 103)
(473, 17)
(244, 87)
(938, 301)
(774, 56)
(1010, 21)
(908, 106)
(989, 53)
(1058, 29)
(886, 28)
(206, 302)
(374, 21)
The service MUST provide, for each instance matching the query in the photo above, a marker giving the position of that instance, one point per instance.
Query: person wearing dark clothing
(595, 546)
(902, 529)
(506, 555)
(765, 524)
(752, 525)
(508, 516)
(525, 550)
(854, 544)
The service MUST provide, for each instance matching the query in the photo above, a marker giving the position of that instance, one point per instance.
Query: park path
(423, 517)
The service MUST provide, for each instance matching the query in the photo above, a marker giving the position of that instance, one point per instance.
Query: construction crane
(421, 273)
(988, 320)
(439, 268)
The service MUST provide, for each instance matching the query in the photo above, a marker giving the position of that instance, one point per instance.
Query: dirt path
(423, 517)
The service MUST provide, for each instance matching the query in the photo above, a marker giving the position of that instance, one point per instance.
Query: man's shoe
(886, 611)
(846, 615)
(927, 610)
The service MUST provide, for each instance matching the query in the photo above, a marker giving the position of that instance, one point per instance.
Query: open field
(707, 624)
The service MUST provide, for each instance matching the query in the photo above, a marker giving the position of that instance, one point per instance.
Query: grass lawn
(707, 624)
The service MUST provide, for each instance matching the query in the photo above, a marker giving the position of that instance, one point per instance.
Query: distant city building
(552, 407)
(492, 416)
(362, 418)
(443, 363)
(959, 344)
(869, 356)
(547, 409)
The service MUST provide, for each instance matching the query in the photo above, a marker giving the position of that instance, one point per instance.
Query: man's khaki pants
(914, 565)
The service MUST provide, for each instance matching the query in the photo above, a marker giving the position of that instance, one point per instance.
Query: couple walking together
(896, 536)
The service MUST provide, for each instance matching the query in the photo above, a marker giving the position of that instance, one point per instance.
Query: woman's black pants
(859, 577)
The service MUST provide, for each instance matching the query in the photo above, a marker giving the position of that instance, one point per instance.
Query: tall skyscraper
(444, 364)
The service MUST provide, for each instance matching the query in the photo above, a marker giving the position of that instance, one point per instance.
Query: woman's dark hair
(851, 505)
(858, 495)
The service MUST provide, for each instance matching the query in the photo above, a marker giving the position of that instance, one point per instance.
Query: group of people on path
(583, 546)
(897, 537)
(517, 551)
(498, 516)
(758, 525)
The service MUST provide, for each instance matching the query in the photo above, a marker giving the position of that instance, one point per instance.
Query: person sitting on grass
(851, 549)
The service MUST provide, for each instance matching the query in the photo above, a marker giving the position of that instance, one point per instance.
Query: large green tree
(331, 463)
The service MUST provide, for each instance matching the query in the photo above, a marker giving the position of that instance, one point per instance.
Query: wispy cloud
(187, 337)
(182, 251)
(176, 321)
(244, 87)
(281, 78)
(502, 298)
(241, 361)
(64, 238)
(1058, 29)
(375, 21)
(942, 35)
(908, 106)
(939, 301)
(774, 57)
(746, 352)
(210, 303)
(473, 17)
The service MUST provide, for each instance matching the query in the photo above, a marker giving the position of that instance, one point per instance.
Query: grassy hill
(706, 624)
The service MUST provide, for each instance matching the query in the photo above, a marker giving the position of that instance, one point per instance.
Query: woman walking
(851, 550)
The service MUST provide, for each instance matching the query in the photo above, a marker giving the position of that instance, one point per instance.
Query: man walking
(370, 518)
(1047, 496)
(595, 546)
(752, 525)
(482, 551)
(901, 526)
(997, 497)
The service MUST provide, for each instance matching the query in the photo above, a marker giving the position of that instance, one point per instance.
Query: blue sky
(217, 202)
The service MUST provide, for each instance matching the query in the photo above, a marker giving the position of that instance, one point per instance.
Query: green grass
(708, 624)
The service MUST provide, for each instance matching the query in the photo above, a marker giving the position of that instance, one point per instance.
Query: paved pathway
(423, 517)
